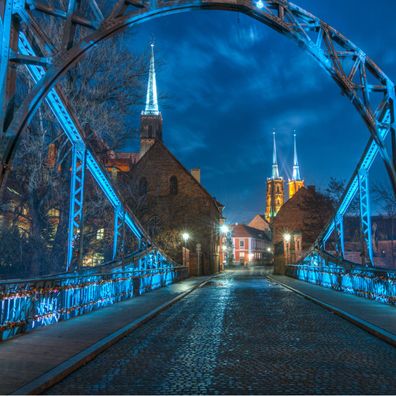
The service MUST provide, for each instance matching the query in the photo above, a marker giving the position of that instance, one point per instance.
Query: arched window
(143, 186)
(173, 185)
(278, 189)
(150, 131)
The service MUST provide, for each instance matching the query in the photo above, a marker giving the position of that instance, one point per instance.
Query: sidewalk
(31, 362)
(376, 318)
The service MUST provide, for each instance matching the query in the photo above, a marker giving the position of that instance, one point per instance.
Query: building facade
(168, 199)
(250, 245)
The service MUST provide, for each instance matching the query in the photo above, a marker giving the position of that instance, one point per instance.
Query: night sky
(226, 81)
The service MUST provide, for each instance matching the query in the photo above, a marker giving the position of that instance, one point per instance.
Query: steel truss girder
(76, 200)
(365, 215)
(339, 229)
(328, 47)
(119, 222)
(72, 130)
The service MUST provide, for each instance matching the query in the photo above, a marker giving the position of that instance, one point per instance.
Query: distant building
(260, 223)
(303, 218)
(275, 196)
(296, 182)
(250, 245)
(275, 188)
(167, 198)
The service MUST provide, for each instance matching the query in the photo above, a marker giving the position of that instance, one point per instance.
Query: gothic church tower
(275, 188)
(151, 118)
(296, 182)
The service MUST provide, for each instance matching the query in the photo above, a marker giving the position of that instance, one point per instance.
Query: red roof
(244, 231)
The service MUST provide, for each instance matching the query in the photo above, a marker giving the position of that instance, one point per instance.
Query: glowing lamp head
(224, 228)
(259, 4)
(224, 248)
(268, 249)
(185, 236)
(287, 237)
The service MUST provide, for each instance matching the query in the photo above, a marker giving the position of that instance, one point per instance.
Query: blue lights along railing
(325, 270)
(29, 304)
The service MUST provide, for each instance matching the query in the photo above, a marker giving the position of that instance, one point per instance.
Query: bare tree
(102, 90)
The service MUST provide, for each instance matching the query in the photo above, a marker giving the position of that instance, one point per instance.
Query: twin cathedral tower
(276, 185)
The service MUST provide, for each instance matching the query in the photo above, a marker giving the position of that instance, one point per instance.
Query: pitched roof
(217, 204)
(244, 231)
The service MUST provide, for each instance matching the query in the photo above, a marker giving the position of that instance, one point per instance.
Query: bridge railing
(29, 304)
(326, 270)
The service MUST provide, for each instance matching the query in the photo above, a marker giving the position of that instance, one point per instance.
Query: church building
(275, 197)
(168, 199)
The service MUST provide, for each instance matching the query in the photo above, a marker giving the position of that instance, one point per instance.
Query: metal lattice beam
(365, 216)
(361, 80)
(76, 200)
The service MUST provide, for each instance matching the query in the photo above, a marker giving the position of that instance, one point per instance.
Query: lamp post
(185, 252)
(224, 230)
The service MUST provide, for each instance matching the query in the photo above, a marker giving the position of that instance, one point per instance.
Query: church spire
(150, 118)
(296, 167)
(275, 169)
(151, 97)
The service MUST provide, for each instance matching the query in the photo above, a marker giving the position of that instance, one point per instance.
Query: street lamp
(185, 236)
(287, 237)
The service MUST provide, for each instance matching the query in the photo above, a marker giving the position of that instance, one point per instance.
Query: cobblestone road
(241, 334)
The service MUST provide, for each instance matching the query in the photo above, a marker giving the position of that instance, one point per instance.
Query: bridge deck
(240, 334)
(30, 360)
(373, 316)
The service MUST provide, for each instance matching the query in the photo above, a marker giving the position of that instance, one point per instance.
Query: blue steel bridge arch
(369, 89)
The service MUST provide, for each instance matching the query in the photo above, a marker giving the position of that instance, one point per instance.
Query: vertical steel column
(339, 229)
(76, 200)
(365, 214)
(119, 220)
(6, 9)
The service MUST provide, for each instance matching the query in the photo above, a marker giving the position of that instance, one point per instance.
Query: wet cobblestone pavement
(241, 334)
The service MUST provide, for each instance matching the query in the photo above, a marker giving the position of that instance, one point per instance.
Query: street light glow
(259, 4)
(287, 237)
(185, 236)
(268, 249)
(224, 228)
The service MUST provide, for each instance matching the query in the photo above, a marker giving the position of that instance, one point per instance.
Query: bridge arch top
(358, 76)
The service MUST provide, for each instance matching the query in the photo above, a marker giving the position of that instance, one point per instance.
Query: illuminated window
(173, 185)
(143, 186)
(100, 233)
(53, 212)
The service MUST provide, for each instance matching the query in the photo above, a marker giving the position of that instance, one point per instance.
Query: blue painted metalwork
(119, 221)
(29, 304)
(339, 229)
(328, 47)
(5, 37)
(71, 129)
(365, 214)
(76, 200)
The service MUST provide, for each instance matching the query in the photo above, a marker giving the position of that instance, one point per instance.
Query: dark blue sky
(227, 80)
